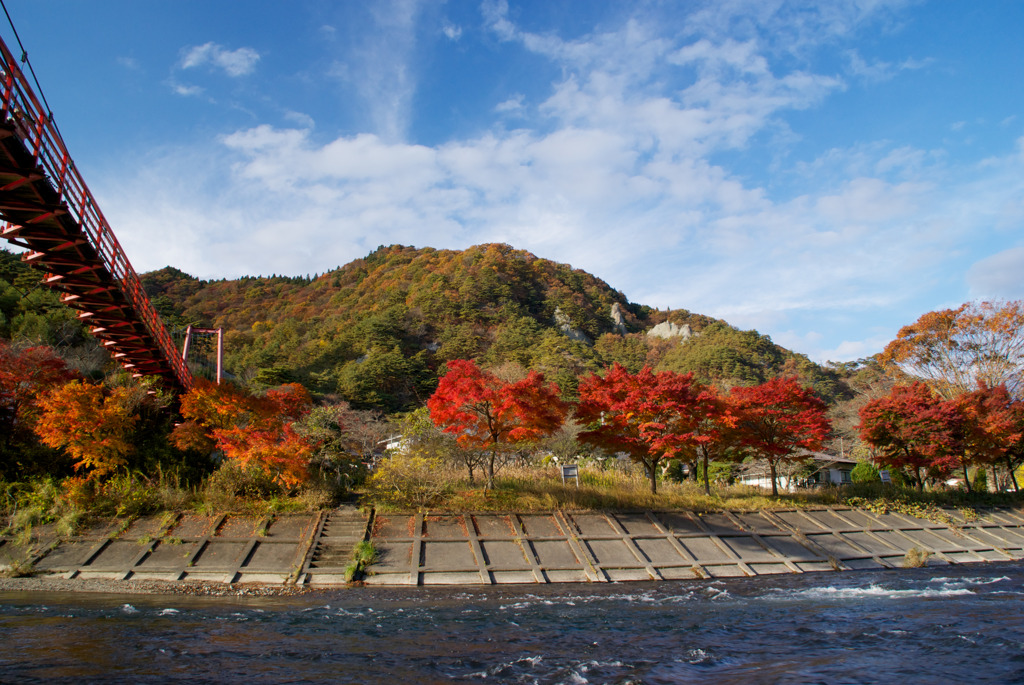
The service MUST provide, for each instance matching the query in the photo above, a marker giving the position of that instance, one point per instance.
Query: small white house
(827, 469)
(394, 443)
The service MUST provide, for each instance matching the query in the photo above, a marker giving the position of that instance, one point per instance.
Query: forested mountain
(377, 331)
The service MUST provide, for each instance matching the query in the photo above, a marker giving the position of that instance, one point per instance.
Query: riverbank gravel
(149, 587)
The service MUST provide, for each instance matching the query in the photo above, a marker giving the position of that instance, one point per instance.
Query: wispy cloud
(998, 276)
(186, 90)
(513, 105)
(877, 71)
(232, 62)
(379, 65)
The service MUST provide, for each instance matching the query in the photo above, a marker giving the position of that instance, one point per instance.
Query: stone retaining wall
(502, 548)
(555, 547)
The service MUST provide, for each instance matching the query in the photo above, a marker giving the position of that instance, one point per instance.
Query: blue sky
(822, 172)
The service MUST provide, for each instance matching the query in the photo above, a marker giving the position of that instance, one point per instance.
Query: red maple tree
(913, 428)
(649, 416)
(778, 420)
(485, 412)
(24, 376)
(717, 431)
(993, 428)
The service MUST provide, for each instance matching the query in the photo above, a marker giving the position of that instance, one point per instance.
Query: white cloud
(849, 350)
(232, 62)
(129, 63)
(451, 31)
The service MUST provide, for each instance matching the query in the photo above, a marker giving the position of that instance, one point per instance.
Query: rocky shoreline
(53, 583)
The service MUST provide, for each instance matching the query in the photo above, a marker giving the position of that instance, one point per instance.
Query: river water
(931, 625)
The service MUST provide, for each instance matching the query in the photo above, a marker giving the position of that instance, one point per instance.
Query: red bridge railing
(35, 128)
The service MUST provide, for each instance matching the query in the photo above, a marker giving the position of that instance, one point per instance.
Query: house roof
(821, 460)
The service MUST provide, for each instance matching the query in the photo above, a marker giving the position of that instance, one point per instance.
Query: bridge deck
(51, 212)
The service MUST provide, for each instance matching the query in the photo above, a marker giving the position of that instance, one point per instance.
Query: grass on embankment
(71, 503)
(540, 489)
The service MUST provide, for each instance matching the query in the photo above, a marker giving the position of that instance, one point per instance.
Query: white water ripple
(869, 591)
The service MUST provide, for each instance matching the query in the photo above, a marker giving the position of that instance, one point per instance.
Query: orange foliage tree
(649, 416)
(91, 423)
(485, 412)
(778, 419)
(249, 430)
(955, 349)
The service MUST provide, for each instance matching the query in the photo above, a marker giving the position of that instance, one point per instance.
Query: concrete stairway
(342, 530)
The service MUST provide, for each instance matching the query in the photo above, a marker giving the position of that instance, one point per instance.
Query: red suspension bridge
(46, 208)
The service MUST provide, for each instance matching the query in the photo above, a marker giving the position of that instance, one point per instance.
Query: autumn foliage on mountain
(379, 331)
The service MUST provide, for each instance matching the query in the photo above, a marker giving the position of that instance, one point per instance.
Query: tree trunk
(775, 487)
(1013, 477)
(652, 473)
(490, 469)
(995, 480)
(920, 480)
(707, 484)
(967, 479)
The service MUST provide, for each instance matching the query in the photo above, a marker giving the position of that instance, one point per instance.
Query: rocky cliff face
(618, 320)
(667, 329)
(564, 324)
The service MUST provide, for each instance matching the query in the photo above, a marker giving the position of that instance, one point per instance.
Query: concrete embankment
(502, 548)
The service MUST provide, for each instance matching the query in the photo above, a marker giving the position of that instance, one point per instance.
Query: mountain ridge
(377, 330)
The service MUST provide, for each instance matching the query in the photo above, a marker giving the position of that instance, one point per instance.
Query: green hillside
(376, 331)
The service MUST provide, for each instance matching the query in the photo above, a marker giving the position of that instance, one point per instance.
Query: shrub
(720, 472)
(980, 483)
(403, 481)
(229, 486)
(865, 472)
(363, 556)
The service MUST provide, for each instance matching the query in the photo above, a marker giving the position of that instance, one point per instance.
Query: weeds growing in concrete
(363, 556)
(916, 558)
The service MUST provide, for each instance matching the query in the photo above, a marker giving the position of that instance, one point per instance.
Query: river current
(930, 625)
